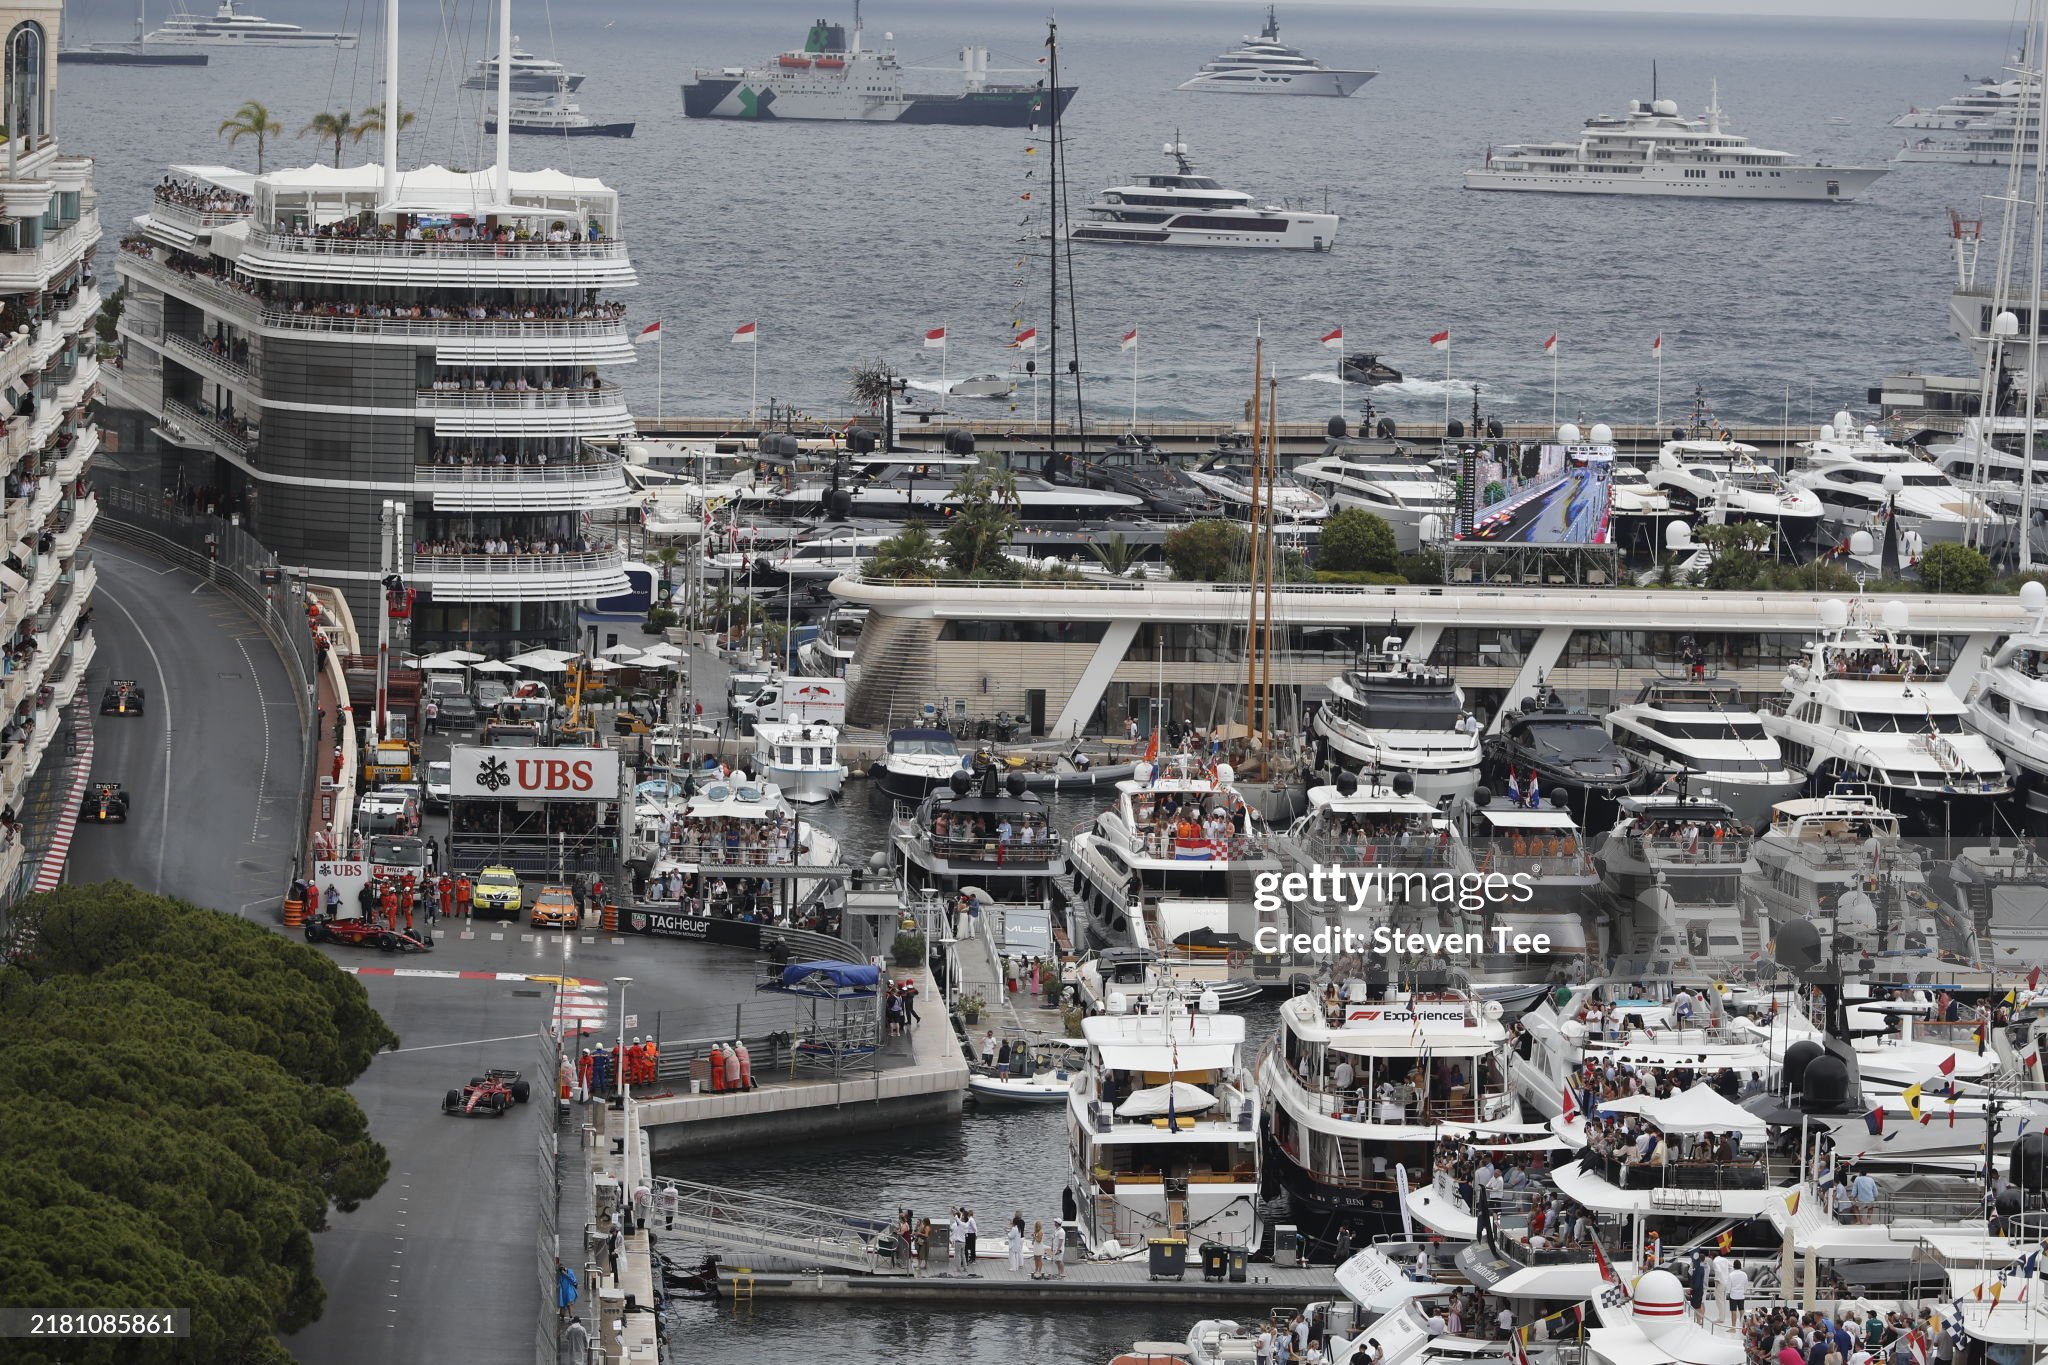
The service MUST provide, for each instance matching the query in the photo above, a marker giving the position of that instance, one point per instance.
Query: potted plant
(907, 950)
(971, 1006)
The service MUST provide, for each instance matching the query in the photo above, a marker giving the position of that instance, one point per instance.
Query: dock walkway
(992, 1282)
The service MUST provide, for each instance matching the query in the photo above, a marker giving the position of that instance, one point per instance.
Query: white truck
(793, 698)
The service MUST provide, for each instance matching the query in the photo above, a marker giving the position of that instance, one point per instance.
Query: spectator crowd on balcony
(532, 455)
(459, 232)
(199, 197)
(497, 380)
(511, 545)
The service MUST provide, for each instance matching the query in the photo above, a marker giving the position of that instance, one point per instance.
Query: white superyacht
(1264, 65)
(228, 29)
(1186, 208)
(1653, 149)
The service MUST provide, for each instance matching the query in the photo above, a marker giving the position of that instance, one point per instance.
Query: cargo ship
(832, 78)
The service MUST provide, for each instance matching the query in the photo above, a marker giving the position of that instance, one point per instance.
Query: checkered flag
(1615, 1297)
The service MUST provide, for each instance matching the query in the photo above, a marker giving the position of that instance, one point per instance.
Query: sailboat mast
(1052, 245)
(1272, 478)
(1251, 635)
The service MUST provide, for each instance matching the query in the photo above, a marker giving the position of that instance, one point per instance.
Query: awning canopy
(226, 177)
(1701, 1109)
(1188, 1057)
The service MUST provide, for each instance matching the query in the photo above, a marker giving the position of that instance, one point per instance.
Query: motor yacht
(1862, 704)
(1400, 846)
(1721, 481)
(2002, 890)
(801, 758)
(982, 832)
(829, 653)
(1988, 98)
(531, 75)
(1549, 750)
(1840, 863)
(1136, 467)
(1852, 474)
(1184, 208)
(1361, 1080)
(989, 386)
(1387, 478)
(1163, 1124)
(1654, 150)
(1705, 728)
(1672, 870)
(2008, 704)
(713, 849)
(822, 555)
(1550, 854)
(1394, 715)
(1227, 473)
(918, 486)
(1995, 140)
(226, 28)
(1634, 1019)
(915, 762)
(1263, 65)
(557, 117)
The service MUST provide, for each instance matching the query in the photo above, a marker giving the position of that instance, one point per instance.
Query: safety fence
(547, 1243)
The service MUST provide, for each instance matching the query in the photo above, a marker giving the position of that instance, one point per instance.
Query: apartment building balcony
(589, 412)
(522, 578)
(597, 481)
(75, 385)
(192, 428)
(194, 220)
(202, 291)
(70, 465)
(523, 265)
(51, 334)
(29, 269)
(84, 512)
(198, 356)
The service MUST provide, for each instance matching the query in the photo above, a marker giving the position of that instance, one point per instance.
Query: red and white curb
(582, 1007)
(442, 974)
(50, 872)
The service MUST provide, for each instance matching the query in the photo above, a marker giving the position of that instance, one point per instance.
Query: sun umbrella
(656, 661)
(493, 666)
(461, 656)
(622, 651)
(602, 666)
(444, 661)
(664, 650)
(537, 656)
(544, 665)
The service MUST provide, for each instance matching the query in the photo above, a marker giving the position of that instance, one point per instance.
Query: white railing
(161, 207)
(512, 565)
(225, 297)
(604, 395)
(485, 475)
(459, 328)
(185, 415)
(610, 249)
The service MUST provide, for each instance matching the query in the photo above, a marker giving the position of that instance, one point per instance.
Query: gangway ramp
(811, 1236)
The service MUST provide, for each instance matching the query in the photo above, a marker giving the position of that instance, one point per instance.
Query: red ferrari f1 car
(491, 1093)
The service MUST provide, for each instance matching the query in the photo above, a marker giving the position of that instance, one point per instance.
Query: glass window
(26, 118)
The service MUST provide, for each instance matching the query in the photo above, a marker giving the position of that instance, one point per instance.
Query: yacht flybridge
(1185, 208)
(1393, 714)
(531, 75)
(228, 29)
(1989, 98)
(1705, 728)
(1653, 149)
(1852, 474)
(1264, 65)
(2009, 704)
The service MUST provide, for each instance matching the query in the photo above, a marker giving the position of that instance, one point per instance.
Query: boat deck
(992, 1281)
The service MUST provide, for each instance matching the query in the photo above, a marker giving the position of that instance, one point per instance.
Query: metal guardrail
(479, 565)
(496, 400)
(184, 414)
(236, 565)
(811, 1234)
(176, 212)
(608, 249)
(547, 1241)
(588, 471)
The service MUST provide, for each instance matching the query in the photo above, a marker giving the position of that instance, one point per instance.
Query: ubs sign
(534, 774)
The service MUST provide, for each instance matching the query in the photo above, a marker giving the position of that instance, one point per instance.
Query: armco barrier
(235, 562)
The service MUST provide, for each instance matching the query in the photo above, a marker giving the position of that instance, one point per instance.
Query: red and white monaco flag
(1657, 346)
(1334, 339)
(1027, 340)
(745, 333)
(651, 332)
(1442, 341)
(1550, 345)
(935, 339)
(1130, 339)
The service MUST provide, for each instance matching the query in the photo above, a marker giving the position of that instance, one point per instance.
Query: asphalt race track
(212, 764)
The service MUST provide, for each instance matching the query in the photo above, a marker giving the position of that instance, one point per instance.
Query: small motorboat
(981, 386)
(1049, 1082)
(1368, 368)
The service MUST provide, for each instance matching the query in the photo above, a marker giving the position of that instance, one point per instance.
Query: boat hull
(579, 130)
(1813, 184)
(1328, 84)
(114, 56)
(1319, 1208)
(807, 785)
(759, 101)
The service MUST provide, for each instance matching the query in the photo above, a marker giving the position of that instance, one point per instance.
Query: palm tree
(1115, 553)
(336, 126)
(912, 553)
(985, 518)
(251, 120)
(371, 120)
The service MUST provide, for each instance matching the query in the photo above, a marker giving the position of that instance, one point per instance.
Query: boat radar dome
(1896, 614)
(1659, 1298)
(1212, 1003)
(1225, 774)
(1843, 421)
(1601, 434)
(1569, 433)
(1834, 613)
(1142, 771)
(2033, 596)
(1870, 433)
(1668, 108)
(1827, 431)
(1116, 1003)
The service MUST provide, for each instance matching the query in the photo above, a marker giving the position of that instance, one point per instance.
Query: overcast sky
(1999, 11)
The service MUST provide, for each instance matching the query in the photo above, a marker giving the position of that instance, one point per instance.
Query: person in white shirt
(1738, 1291)
(1343, 1076)
(1506, 1320)
(1435, 1323)
(1264, 1346)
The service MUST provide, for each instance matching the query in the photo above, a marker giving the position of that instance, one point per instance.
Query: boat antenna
(856, 25)
(1061, 243)
(1653, 85)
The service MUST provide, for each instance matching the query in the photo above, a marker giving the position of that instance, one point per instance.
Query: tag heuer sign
(534, 774)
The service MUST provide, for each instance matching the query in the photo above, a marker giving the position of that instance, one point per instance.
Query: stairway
(810, 1235)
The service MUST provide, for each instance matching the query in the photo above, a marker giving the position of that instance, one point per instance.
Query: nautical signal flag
(1025, 196)
(745, 333)
(1948, 1065)
(1442, 341)
(1571, 1103)
(651, 332)
(1874, 1120)
(2034, 979)
(1911, 1094)
(1334, 339)
(1657, 345)
(1792, 1202)
(1026, 340)
(1727, 1242)
(1550, 346)
(935, 339)
(1129, 340)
